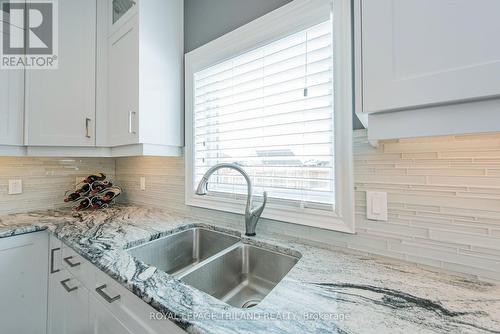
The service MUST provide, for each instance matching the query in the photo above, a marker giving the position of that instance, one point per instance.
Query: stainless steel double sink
(219, 264)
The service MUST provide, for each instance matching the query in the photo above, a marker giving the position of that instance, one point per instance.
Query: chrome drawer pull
(103, 294)
(71, 264)
(66, 287)
(131, 116)
(87, 126)
(52, 251)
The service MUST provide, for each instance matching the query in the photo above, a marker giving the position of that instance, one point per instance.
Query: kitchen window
(275, 97)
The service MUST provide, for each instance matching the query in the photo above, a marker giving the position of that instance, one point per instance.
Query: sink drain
(250, 303)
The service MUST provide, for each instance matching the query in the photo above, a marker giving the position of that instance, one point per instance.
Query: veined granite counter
(326, 292)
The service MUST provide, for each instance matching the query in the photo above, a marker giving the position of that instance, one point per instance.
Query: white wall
(206, 20)
(444, 197)
(444, 201)
(45, 180)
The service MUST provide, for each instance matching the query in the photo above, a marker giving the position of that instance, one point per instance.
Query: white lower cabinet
(23, 284)
(63, 293)
(68, 305)
(83, 299)
(68, 298)
(128, 309)
(102, 321)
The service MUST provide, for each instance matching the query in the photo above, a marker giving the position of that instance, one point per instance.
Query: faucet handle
(258, 211)
(253, 216)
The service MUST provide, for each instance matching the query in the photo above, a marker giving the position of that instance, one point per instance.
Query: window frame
(291, 18)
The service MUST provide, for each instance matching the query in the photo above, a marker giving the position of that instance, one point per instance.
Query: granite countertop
(328, 291)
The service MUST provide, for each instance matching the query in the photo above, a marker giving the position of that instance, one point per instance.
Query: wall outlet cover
(376, 205)
(15, 187)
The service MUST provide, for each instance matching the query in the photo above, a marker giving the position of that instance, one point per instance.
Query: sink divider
(189, 270)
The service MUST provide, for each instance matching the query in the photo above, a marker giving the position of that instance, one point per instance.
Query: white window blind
(270, 110)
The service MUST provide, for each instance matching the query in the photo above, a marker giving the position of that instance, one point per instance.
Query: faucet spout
(202, 187)
(251, 215)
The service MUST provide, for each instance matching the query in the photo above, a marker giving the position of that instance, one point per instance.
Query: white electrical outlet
(143, 183)
(15, 187)
(376, 205)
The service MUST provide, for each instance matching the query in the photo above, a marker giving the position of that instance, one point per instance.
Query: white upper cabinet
(123, 72)
(120, 12)
(11, 103)
(124, 85)
(426, 52)
(428, 67)
(60, 103)
(11, 107)
(117, 90)
(145, 74)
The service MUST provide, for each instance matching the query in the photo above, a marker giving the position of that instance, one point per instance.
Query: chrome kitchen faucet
(251, 215)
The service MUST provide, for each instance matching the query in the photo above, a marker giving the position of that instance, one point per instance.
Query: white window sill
(302, 216)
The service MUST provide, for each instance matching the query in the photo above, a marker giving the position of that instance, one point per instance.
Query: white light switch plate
(376, 205)
(15, 187)
(143, 183)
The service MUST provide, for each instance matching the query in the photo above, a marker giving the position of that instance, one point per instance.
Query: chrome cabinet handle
(131, 116)
(71, 264)
(87, 126)
(66, 287)
(52, 251)
(104, 295)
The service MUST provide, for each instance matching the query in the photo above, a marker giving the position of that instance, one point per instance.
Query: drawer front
(134, 313)
(80, 268)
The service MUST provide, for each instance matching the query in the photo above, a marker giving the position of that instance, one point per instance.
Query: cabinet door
(123, 81)
(23, 283)
(129, 309)
(419, 53)
(102, 321)
(60, 103)
(68, 310)
(120, 11)
(11, 103)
